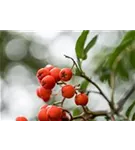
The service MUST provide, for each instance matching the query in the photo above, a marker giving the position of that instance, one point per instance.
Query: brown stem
(85, 110)
(73, 61)
(92, 92)
(100, 91)
(62, 102)
(79, 117)
(99, 113)
(56, 103)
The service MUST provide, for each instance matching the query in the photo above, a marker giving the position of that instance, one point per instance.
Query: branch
(82, 74)
(100, 91)
(88, 92)
(99, 113)
(73, 61)
(123, 100)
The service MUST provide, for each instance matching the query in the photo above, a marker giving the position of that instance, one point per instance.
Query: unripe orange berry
(54, 113)
(44, 93)
(81, 99)
(21, 118)
(65, 74)
(68, 91)
(48, 82)
(41, 73)
(55, 73)
(49, 67)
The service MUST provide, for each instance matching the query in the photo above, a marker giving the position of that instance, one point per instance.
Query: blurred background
(22, 53)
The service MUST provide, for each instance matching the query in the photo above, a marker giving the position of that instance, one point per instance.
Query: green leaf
(133, 118)
(106, 118)
(80, 45)
(132, 58)
(128, 112)
(77, 111)
(122, 70)
(84, 85)
(127, 41)
(91, 44)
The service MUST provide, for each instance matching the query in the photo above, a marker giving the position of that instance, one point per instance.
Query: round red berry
(42, 114)
(44, 93)
(21, 118)
(48, 82)
(68, 91)
(49, 67)
(65, 74)
(55, 73)
(54, 113)
(81, 99)
(41, 73)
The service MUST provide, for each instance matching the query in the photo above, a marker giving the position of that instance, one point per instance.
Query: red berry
(54, 113)
(42, 115)
(48, 82)
(44, 93)
(68, 91)
(41, 73)
(65, 74)
(21, 118)
(55, 73)
(81, 99)
(49, 67)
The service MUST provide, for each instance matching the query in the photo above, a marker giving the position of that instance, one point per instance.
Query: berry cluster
(48, 77)
(52, 113)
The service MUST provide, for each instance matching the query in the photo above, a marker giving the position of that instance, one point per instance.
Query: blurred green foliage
(120, 59)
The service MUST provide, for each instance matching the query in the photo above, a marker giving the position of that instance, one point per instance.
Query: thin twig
(79, 117)
(125, 97)
(73, 61)
(100, 91)
(57, 103)
(84, 109)
(96, 92)
(62, 102)
(100, 113)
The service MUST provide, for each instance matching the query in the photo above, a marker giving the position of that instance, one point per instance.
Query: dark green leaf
(127, 40)
(84, 85)
(121, 70)
(128, 112)
(91, 44)
(80, 45)
(130, 35)
(77, 111)
(106, 118)
(133, 118)
(132, 58)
